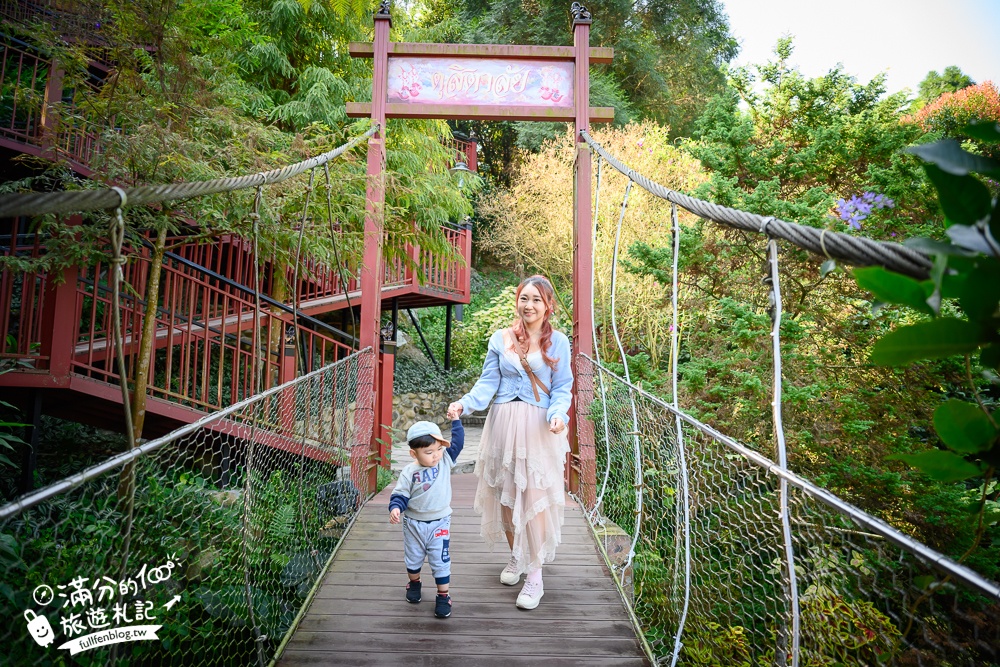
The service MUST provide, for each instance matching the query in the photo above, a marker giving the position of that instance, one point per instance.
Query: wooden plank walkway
(359, 616)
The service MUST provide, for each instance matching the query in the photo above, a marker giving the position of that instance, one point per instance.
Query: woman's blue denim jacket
(504, 377)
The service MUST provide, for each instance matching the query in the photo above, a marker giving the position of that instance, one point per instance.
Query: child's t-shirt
(424, 493)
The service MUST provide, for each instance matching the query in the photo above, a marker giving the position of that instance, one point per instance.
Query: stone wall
(422, 406)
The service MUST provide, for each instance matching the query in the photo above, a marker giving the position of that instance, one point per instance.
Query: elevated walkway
(359, 616)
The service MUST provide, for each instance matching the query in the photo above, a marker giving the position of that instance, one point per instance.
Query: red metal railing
(23, 77)
(23, 294)
(448, 275)
(204, 337)
(77, 139)
(67, 17)
(219, 314)
(463, 151)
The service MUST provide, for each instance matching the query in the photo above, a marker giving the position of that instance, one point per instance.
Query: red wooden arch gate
(480, 82)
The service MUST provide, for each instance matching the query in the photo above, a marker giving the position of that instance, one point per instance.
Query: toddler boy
(423, 497)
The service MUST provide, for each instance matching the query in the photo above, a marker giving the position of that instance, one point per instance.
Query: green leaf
(895, 288)
(964, 199)
(940, 465)
(964, 427)
(990, 356)
(949, 155)
(981, 296)
(828, 267)
(995, 221)
(984, 131)
(926, 340)
(972, 237)
(932, 247)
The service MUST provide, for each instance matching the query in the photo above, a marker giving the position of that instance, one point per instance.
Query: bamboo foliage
(531, 225)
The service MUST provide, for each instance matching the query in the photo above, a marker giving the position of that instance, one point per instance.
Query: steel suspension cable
(39, 203)
(854, 250)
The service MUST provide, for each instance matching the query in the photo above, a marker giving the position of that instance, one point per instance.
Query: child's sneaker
(510, 575)
(442, 606)
(413, 591)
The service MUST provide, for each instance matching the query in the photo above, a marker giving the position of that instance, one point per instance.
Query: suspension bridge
(248, 528)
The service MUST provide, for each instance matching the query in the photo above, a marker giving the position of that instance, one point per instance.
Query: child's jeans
(428, 539)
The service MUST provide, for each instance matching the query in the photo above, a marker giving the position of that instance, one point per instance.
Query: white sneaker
(511, 574)
(530, 595)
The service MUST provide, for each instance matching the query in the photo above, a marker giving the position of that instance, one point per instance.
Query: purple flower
(893, 234)
(854, 210)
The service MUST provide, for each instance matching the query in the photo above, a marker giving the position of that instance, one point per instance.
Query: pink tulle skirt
(521, 490)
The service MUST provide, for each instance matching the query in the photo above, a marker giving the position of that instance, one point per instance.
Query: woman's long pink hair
(548, 295)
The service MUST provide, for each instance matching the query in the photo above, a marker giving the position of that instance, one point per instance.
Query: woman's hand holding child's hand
(455, 410)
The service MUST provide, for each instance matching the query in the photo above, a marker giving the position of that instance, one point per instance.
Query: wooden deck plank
(299, 657)
(360, 617)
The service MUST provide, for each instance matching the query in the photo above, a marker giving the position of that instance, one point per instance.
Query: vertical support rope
(635, 416)
(779, 436)
(117, 277)
(336, 251)
(301, 366)
(682, 459)
(257, 370)
(595, 512)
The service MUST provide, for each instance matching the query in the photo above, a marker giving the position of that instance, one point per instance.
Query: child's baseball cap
(424, 428)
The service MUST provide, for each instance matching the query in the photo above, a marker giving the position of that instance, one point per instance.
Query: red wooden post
(582, 478)
(53, 95)
(372, 268)
(466, 275)
(383, 428)
(471, 156)
(60, 320)
(287, 373)
(59, 323)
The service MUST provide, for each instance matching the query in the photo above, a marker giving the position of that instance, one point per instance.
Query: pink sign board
(481, 81)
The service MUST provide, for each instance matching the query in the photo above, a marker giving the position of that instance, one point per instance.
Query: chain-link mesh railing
(198, 548)
(867, 594)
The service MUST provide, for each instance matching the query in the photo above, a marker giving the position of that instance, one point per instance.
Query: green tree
(801, 150)
(666, 66)
(934, 85)
(231, 88)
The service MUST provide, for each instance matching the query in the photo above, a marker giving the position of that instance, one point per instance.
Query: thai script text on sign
(489, 81)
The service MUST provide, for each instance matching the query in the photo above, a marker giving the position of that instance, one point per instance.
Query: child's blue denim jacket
(503, 376)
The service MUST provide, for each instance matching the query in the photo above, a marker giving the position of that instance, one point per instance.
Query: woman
(524, 445)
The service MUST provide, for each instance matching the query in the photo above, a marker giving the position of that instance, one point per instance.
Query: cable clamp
(823, 245)
(121, 195)
(763, 225)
